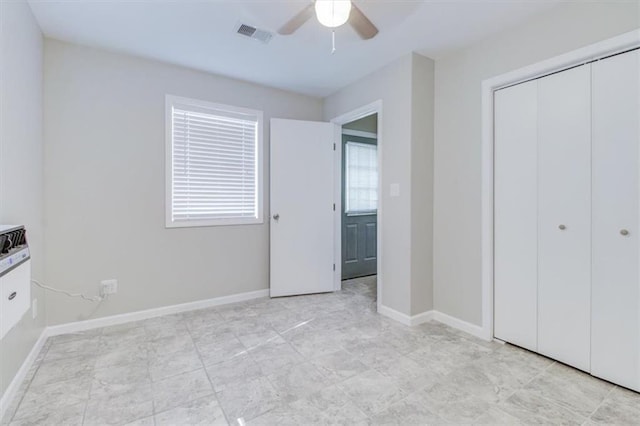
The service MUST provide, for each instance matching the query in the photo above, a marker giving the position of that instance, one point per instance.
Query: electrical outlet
(108, 287)
(34, 308)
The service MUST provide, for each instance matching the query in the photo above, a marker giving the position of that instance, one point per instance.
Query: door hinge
(334, 146)
(334, 207)
(334, 266)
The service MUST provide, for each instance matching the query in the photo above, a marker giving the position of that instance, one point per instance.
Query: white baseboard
(14, 386)
(74, 327)
(421, 318)
(404, 318)
(394, 315)
(461, 325)
(453, 322)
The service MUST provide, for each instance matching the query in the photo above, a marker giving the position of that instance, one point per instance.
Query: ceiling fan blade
(363, 26)
(296, 22)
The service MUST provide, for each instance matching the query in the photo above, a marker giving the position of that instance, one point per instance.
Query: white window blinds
(361, 164)
(214, 164)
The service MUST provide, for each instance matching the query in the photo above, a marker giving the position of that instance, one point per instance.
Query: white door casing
(302, 214)
(615, 338)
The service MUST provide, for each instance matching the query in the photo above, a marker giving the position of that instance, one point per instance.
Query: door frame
(608, 47)
(363, 111)
(359, 137)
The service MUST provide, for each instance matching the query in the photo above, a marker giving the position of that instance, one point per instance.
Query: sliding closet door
(516, 220)
(564, 210)
(615, 341)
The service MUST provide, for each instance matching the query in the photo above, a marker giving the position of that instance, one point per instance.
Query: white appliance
(567, 217)
(15, 276)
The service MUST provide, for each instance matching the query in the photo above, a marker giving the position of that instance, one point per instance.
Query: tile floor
(320, 359)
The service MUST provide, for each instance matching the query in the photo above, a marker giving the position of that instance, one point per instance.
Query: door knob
(624, 232)
(562, 227)
(276, 217)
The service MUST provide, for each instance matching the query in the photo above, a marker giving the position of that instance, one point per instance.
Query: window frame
(170, 101)
(348, 212)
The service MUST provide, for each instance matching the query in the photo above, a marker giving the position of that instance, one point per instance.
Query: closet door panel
(615, 342)
(564, 213)
(516, 234)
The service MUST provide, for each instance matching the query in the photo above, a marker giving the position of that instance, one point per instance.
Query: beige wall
(394, 86)
(105, 185)
(21, 184)
(458, 77)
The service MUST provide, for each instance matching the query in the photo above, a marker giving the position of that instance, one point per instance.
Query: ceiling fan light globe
(333, 13)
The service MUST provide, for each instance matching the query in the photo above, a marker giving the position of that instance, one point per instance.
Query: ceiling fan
(332, 14)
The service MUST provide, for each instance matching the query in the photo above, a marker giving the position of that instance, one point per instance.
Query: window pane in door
(361, 177)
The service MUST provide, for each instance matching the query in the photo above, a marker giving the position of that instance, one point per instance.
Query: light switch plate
(394, 190)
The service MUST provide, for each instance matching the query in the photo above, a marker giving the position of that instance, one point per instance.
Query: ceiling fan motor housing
(333, 13)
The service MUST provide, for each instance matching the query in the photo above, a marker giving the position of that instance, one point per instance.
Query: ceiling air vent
(254, 33)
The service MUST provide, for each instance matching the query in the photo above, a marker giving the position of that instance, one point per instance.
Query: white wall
(458, 77)
(104, 185)
(394, 85)
(21, 182)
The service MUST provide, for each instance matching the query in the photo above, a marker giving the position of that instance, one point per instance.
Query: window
(361, 192)
(214, 164)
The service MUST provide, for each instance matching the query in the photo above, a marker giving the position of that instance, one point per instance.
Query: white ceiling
(200, 34)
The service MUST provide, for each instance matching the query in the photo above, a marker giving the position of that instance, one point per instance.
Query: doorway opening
(359, 206)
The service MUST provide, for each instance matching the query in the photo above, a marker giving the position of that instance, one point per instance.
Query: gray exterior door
(359, 226)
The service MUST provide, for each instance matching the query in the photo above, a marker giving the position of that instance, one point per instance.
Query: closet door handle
(624, 232)
(562, 227)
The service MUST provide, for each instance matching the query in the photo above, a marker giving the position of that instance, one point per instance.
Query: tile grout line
(86, 404)
(146, 342)
(260, 367)
(307, 360)
(337, 384)
(534, 377)
(555, 403)
(204, 367)
(522, 388)
(45, 349)
(266, 376)
(513, 392)
(602, 402)
(151, 382)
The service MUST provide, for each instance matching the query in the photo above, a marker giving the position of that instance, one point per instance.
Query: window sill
(213, 223)
(361, 213)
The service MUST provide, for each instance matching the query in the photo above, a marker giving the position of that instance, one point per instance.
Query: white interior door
(302, 207)
(564, 209)
(615, 338)
(516, 215)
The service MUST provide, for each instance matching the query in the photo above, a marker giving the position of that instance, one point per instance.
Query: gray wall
(21, 184)
(422, 81)
(105, 185)
(458, 77)
(400, 94)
